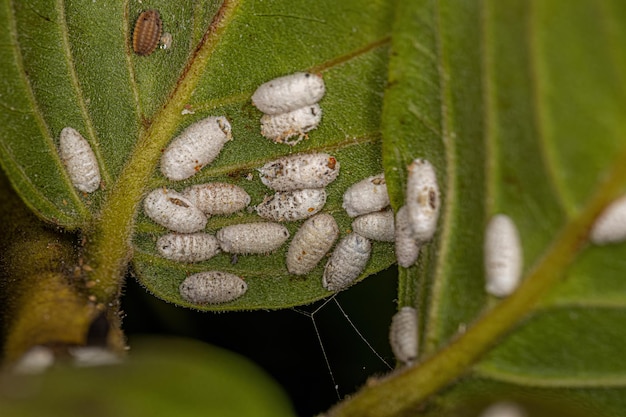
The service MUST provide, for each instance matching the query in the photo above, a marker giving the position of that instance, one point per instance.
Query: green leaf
(522, 113)
(71, 64)
(162, 377)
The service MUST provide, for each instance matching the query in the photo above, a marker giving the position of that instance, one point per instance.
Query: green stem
(108, 247)
(404, 391)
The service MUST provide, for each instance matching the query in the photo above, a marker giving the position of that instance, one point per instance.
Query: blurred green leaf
(162, 377)
(520, 106)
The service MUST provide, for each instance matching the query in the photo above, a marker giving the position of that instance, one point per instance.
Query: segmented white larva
(403, 335)
(217, 197)
(503, 256)
(376, 226)
(366, 196)
(296, 172)
(503, 409)
(247, 238)
(311, 242)
(610, 226)
(173, 211)
(194, 247)
(407, 247)
(281, 127)
(291, 206)
(422, 199)
(79, 160)
(288, 93)
(197, 145)
(212, 287)
(347, 262)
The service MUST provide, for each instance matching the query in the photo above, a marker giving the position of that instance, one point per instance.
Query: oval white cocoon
(290, 92)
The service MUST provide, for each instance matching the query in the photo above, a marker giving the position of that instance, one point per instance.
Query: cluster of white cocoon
(416, 221)
(290, 106)
(186, 213)
(300, 182)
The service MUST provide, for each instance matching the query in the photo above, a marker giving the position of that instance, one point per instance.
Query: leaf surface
(522, 113)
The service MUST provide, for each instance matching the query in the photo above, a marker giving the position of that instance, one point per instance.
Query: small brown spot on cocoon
(147, 32)
(179, 202)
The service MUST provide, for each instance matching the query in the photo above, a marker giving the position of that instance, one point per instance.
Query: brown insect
(147, 32)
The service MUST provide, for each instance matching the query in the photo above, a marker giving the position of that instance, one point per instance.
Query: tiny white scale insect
(284, 94)
(376, 226)
(166, 41)
(422, 199)
(503, 256)
(403, 335)
(347, 262)
(173, 211)
(217, 197)
(300, 171)
(246, 238)
(610, 226)
(503, 409)
(407, 247)
(79, 160)
(366, 196)
(194, 247)
(281, 127)
(197, 145)
(311, 242)
(292, 205)
(212, 287)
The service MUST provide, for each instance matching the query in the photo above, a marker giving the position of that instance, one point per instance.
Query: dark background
(284, 342)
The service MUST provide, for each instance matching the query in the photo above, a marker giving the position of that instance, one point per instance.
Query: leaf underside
(520, 111)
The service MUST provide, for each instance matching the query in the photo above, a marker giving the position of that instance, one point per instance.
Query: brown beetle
(147, 32)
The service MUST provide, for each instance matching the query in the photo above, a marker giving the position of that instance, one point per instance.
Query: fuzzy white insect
(292, 205)
(284, 94)
(79, 160)
(610, 226)
(422, 199)
(347, 262)
(281, 127)
(376, 226)
(249, 238)
(407, 247)
(311, 242)
(503, 409)
(297, 172)
(503, 256)
(194, 247)
(198, 145)
(212, 287)
(403, 335)
(166, 40)
(366, 196)
(217, 197)
(173, 211)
